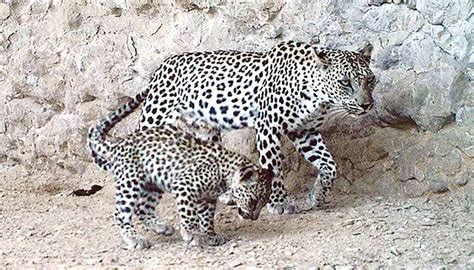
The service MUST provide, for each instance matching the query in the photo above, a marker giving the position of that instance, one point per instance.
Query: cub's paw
(201, 240)
(138, 243)
(215, 240)
(196, 241)
(163, 229)
(287, 208)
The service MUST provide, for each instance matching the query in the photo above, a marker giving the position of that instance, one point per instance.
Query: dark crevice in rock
(117, 12)
(88, 98)
(410, 179)
(396, 121)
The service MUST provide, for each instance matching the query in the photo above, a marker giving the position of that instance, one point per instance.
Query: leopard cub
(149, 162)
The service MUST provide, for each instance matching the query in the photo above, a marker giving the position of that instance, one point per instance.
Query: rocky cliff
(63, 64)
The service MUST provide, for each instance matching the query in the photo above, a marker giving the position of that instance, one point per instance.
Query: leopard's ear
(366, 50)
(323, 56)
(244, 175)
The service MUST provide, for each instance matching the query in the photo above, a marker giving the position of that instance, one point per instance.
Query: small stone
(92, 261)
(452, 261)
(461, 181)
(349, 222)
(464, 178)
(315, 39)
(235, 263)
(411, 4)
(46, 234)
(352, 249)
(428, 222)
(395, 251)
(375, 2)
(465, 116)
(438, 186)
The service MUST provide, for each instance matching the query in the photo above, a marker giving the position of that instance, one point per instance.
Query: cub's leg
(206, 212)
(189, 221)
(313, 149)
(146, 210)
(186, 201)
(126, 199)
(196, 215)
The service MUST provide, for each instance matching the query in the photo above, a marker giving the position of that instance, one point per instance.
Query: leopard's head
(348, 79)
(251, 190)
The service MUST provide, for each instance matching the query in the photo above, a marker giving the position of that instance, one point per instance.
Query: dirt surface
(43, 225)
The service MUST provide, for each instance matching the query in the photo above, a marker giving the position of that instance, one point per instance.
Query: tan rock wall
(63, 64)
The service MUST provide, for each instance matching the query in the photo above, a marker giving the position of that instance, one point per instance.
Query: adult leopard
(292, 90)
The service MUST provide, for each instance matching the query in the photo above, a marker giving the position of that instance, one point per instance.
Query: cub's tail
(96, 140)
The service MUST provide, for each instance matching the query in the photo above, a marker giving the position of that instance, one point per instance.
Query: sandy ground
(43, 225)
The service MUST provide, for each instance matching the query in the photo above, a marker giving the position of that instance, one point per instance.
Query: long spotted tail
(100, 147)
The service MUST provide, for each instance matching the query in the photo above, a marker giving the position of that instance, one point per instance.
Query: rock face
(63, 64)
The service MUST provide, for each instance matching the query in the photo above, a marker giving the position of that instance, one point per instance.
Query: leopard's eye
(345, 82)
(370, 79)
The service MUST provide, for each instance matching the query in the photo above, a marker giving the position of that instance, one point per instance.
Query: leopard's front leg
(196, 214)
(206, 212)
(313, 149)
(269, 148)
(189, 220)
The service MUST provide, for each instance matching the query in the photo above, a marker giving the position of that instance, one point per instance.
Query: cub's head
(348, 78)
(251, 188)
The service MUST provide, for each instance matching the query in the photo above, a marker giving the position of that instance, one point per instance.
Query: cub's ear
(323, 56)
(244, 175)
(366, 50)
(247, 174)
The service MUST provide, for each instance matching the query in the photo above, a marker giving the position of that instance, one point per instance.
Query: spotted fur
(292, 90)
(150, 162)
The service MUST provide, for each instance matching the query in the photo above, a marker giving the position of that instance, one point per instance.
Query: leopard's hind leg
(146, 211)
(127, 195)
